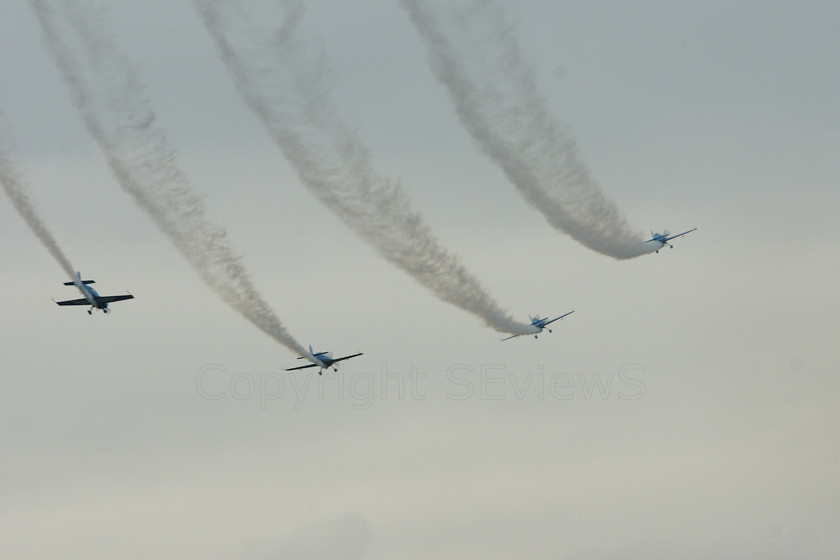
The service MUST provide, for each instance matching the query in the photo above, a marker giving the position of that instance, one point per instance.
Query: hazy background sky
(688, 409)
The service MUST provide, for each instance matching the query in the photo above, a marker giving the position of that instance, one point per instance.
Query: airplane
(91, 297)
(540, 324)
(664, 238)
(321, 360)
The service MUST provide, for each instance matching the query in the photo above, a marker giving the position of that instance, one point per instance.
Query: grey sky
(161, 431)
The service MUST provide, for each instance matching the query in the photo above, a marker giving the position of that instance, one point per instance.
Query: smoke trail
(286, 91)
(476, 56)
(118, 115)
(17, 191)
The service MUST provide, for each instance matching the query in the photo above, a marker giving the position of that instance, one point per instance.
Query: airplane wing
(346, 357)
(302, 367)
(558, 318)
(74, 302)
(678, 235)
(111, 299)
(512, 336)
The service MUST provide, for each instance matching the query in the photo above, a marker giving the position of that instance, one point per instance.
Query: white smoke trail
(17, 191)
(474, 53)
(118, 115)
(287, 92)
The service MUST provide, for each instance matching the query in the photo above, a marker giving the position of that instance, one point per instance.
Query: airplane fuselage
(663, 241)
(87, 293)
(322, 363)
(91, 295)
(660, 238)
(320, 359)
(539, 324)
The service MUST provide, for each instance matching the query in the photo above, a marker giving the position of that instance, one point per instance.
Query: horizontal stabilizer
(316, 354)
(83, 282)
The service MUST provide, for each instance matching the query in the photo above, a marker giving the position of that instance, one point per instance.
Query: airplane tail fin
(310, 354)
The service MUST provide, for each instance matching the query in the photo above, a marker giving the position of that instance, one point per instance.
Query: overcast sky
(688, 409)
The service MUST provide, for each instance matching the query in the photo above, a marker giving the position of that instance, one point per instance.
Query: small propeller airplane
(665, 237)
(91, 297)
(540, 324)
(321, 360)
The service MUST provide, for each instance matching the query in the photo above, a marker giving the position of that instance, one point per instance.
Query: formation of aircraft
(539, 324)
(321, 360)
(91, 297)
(665, 237)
